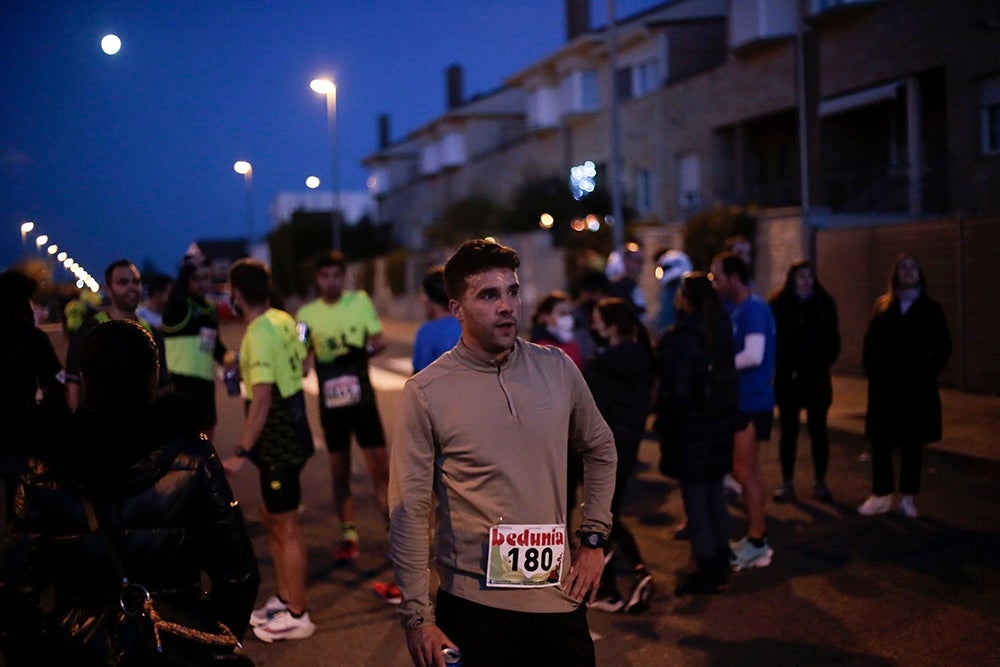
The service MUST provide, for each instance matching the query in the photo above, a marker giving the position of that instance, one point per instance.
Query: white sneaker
(875, 505)
(271, 608)
(907, 508)
(285, 626)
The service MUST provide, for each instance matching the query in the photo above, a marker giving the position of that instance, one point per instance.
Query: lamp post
(327, 88)
(246, 169)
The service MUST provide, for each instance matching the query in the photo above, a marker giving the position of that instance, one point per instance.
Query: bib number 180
(525, 555)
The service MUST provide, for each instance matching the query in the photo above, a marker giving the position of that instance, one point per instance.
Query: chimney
(577, 18)
(454, 81)
(383, 131)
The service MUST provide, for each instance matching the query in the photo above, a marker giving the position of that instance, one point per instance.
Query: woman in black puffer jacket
(696, 411)
(159, 491)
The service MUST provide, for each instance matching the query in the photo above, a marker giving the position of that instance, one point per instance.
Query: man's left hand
(584, 575)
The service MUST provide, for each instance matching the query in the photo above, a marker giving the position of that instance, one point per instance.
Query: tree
(705, 233)
(471, 217)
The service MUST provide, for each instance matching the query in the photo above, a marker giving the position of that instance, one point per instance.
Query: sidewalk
(971, 421)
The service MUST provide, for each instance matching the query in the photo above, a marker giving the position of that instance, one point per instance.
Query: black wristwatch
(591, 540)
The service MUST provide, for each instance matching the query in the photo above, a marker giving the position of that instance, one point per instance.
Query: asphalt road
(842, 589)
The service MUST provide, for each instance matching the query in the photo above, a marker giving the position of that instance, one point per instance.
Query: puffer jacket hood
(99, 454)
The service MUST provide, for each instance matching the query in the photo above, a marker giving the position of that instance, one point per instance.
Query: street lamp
(40, 241)
(26, 228)
(329, 89)
(246, 169)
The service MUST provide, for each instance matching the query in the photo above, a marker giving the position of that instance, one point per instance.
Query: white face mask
(564, 327)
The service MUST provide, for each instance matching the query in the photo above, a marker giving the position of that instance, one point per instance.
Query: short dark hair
(332, 258)
(434, 286)
(252, 278)
(732, 264)
(548, 304)
(117, 264)
(592, 281)
(475, 256)
(118, 360)
(160, 282)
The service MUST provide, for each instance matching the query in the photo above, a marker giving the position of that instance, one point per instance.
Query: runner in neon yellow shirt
(276, 438)
(343, 332)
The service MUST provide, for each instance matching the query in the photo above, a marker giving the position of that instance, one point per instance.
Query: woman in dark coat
(620, 377)
(808, 343)
(159, 491)
(696, 411)
(905, 350)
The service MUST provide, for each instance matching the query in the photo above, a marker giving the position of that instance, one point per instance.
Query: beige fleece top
(489, 442)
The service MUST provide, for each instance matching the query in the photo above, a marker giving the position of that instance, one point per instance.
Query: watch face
(594, 539)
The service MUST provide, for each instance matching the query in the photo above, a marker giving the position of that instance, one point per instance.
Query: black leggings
(816, 422)
(621, 537)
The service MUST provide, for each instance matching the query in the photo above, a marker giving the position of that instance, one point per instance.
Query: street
(842, 589)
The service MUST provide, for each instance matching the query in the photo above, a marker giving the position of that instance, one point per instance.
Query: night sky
(132, 155)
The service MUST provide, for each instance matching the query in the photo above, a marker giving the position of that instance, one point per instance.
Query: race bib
(206, 339)
(525, 555)
(341, 391)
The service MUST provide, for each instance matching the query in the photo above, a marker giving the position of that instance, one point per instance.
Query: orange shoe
(347, 551)
(388, 591)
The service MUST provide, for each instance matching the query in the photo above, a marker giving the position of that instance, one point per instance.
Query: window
(579, 91)
(989, 102)
(644, 191)
(646, 77)
(623, 84)
(688, 181)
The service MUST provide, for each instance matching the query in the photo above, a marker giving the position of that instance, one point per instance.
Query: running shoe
(271, 608)
(641, 595)
(822, 492)
(388, 591)
(609, 601)
(876, 505)
(347, 551)
(907, 507)
(746, 554)
(285, 626)
(785, 493)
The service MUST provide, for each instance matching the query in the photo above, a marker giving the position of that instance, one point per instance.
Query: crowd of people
(515, 498)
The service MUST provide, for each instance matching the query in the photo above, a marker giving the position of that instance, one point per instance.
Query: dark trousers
(707, 517)
(621, 538)
(488, 636)
(910, 456)
(788, 412)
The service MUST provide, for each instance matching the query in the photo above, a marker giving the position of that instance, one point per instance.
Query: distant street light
(327, 88)
(111, 44)
(312, 182)
(245, 168)
(40, 241)
(53, 249)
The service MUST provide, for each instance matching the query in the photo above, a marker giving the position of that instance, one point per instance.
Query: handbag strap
(95, 526)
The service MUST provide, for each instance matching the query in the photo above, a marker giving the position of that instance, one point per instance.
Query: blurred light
(312, 182)
(111, 44)
(593, 224)
(658, 272)
(546, 221)
(67, 262)
(490, 239)
(41, 240)
(581, 179)
(53, 249)
(578, 225)
(322, 86)
(62, 256)
(372, 183)
(27, 227)
(242, 167)
(79, 284)
(632, 247)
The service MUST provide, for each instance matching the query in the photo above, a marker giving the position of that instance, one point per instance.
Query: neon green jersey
(333, 328)
(271, 353)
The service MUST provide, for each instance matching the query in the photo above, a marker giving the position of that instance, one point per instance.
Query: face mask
(562, 328)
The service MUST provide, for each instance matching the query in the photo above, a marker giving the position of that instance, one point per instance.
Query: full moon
(111, 45)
